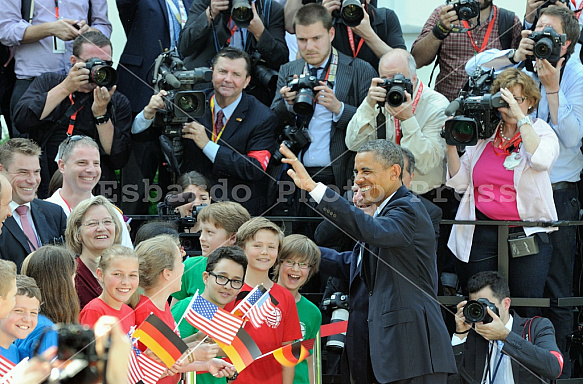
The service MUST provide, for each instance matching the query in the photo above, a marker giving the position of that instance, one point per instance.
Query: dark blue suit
(49, 221)
(395, 326)
(251, 128)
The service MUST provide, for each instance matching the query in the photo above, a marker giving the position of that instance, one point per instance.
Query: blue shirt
(27, 346)
(569, 129)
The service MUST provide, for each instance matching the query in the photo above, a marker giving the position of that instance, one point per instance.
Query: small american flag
(135, 374)
(260, 310)
(251, 298)
(6, 367)
(212, 320)
(152, 370)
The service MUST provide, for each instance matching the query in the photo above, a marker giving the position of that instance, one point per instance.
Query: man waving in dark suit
(34, 222)
(232, 143)
(395, 323)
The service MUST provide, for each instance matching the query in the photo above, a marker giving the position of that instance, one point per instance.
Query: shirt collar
(229, 109)
(384, 204)
(14, 205)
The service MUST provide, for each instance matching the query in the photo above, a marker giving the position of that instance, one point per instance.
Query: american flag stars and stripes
(260, 310)
(212, 320)
(251, 298)
(5, 367)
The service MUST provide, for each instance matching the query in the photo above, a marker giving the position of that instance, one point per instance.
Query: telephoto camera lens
(101, 73)
(463, 131)
(242, 13)
(352, 12)
(543, 48)
(396, 96)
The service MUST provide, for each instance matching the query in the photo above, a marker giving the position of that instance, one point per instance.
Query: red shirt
(143, 310)
(97, 308)
(277, 329)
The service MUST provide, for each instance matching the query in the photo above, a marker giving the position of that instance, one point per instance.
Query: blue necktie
(500, 370)
(176, 24)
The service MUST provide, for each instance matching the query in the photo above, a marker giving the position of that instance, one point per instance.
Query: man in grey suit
(343, 83)
(34, 222)
(395, 321)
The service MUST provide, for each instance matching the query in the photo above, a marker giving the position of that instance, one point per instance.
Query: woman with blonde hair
(92, 227)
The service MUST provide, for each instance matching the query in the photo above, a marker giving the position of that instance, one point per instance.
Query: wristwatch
(101, 119)
(524, 120)
(510, 56)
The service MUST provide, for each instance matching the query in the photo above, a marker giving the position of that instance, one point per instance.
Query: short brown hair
(225, 214)
(248, 230)
(96, 38)
(298, 247)
(155, 255)
(7, 276)
(312, 13)
(17, 145)
(26, 286)
(75, 221)
(512, 77)
(60, 301)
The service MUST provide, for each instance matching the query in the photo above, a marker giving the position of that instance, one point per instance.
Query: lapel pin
(239, 119)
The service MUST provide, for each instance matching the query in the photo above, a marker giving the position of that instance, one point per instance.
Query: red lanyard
(57, 9)
(351, 41)
(398, 131)
(514, 143)
(73, 117)
(486, 37)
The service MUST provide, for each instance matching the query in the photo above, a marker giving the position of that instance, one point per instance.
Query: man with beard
(454, 41)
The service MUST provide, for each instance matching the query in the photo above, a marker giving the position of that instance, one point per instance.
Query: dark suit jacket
(145, 23)
(352, 83)
(408, 337)
(250, 128)
(49, 221)
(534, 354)
(197, 41)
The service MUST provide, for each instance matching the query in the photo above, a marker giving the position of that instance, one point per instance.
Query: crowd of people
(308, 113)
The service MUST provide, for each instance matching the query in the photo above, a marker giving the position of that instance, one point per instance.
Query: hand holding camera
(196, 132)
(77, 77)
(218, 6)
(447, 17)
(484, 315)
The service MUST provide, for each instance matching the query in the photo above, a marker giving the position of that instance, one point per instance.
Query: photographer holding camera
(559, 77)
(506, 177)
(410, 113)
(84, 102)
(505, 348)
(455, 32)
(323, 88)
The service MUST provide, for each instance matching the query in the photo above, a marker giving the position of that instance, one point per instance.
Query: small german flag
(291, 354)
(242, 351)
(161, 340)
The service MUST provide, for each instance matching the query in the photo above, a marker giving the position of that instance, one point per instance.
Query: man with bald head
(5, 199)
(415, 124)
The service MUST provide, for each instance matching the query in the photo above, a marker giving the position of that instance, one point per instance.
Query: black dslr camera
(294, 138)
(553, 2)
(351, 12)
(101, 72)
(465, 9)
(476, 311)
(476, 116)
(547, 44)
(241, 12)
(396, 88)
(306, 98)
(337, 307)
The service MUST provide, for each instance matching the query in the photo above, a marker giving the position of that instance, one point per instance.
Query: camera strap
(577, 8)
(351, 41)
(398, 130)
(488, 31)
(71, 112)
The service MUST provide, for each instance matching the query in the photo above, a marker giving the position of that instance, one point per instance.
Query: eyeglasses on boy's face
(223, 280)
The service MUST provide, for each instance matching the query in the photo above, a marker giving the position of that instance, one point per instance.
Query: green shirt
(310, 322)
(192, 277)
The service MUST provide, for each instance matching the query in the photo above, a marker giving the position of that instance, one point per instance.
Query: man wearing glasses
(56, 106)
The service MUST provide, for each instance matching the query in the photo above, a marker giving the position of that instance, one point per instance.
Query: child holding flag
(261, 240)
(297, 262)
(118, 273)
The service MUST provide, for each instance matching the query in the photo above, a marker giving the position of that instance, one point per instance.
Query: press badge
(58, 45)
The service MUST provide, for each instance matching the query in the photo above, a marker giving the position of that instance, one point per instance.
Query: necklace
(502, 135)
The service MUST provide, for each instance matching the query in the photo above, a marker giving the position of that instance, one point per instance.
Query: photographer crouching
(493, 343)
(506, 177)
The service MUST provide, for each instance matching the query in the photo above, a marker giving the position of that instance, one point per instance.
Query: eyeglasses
(95, 223)
(70, 139)
(520, 99)
(291, 263)
(223, 280)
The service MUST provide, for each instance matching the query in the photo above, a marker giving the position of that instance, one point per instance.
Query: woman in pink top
(506, 177)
